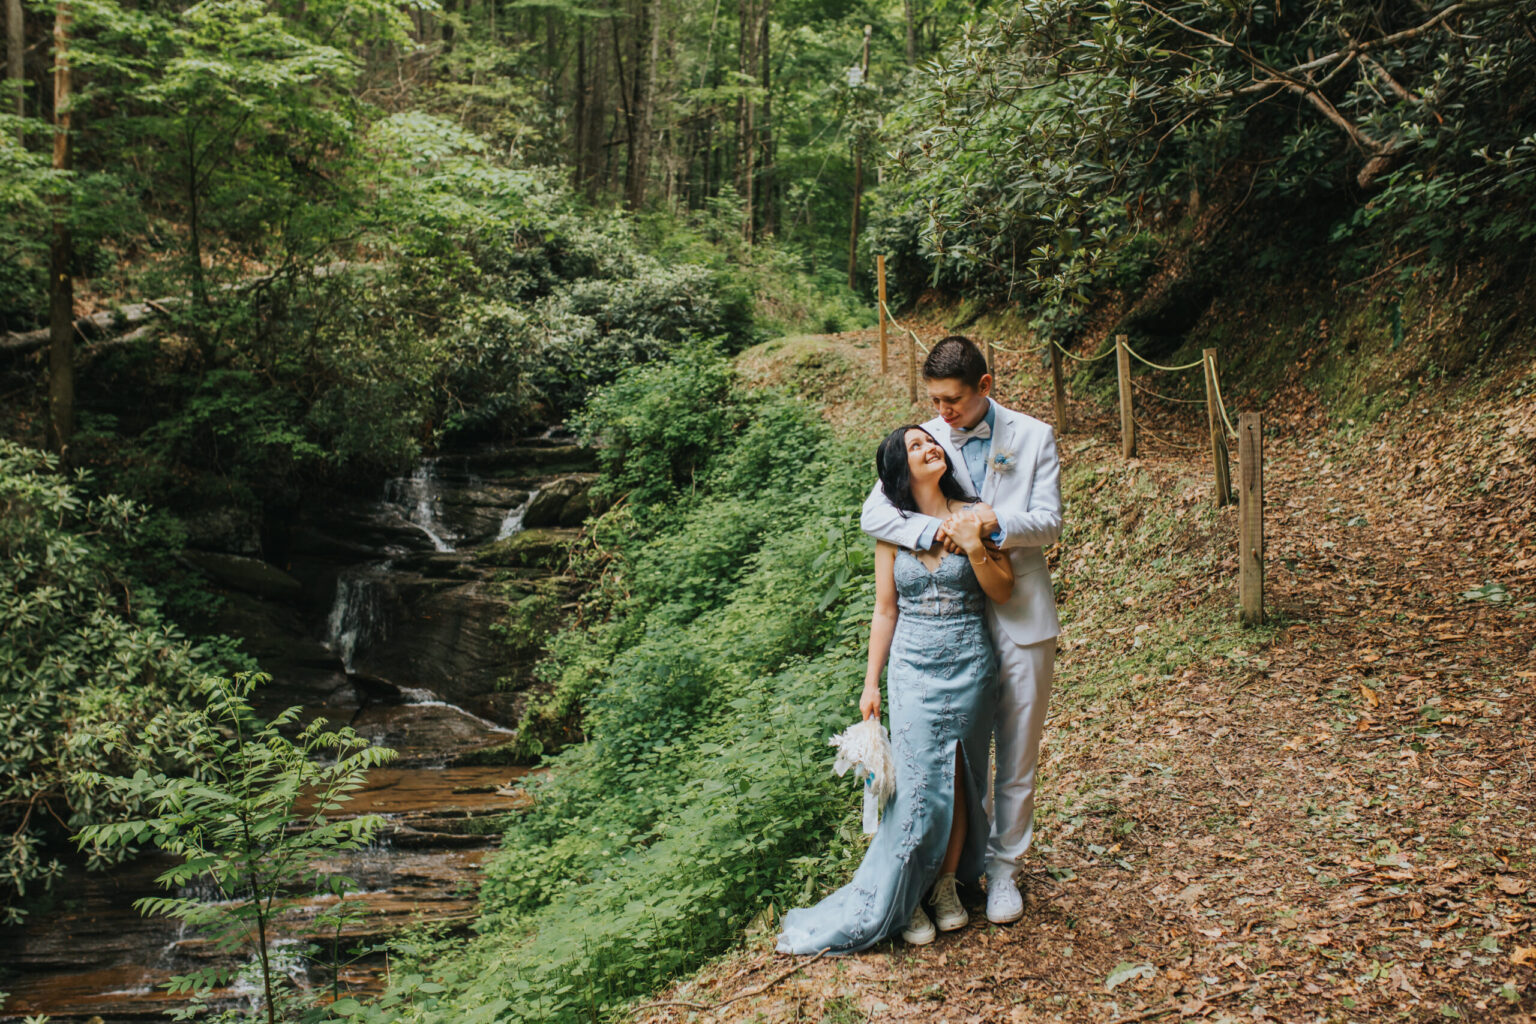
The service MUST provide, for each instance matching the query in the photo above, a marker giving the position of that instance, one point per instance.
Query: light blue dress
(940, 681)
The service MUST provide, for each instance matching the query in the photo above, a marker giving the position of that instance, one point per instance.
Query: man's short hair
(956, 356)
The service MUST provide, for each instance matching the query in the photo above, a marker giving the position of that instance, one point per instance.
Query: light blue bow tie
(980, 431)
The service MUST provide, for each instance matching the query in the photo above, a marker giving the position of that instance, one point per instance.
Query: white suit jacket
(1027, 499)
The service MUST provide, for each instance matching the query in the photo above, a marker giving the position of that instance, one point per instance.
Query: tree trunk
(767, 190)
(579, 115)
(746, 113)
(61, 286)
(16, 55)
(554, 71)
(909, 8)
(194, 223)
(643, 81)
(626, 102)
(858, 181)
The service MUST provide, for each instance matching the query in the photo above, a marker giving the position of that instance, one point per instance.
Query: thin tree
(746, 113)
(640, 113)
(15, 54)
(858, 175)
(61, 286)
(768, 200)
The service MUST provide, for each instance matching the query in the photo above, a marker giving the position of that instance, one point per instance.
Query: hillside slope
(1325, 819)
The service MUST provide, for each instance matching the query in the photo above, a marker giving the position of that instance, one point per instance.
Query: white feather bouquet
(867, 747)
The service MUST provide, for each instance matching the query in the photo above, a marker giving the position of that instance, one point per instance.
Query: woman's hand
(869, 701)
(964, 528)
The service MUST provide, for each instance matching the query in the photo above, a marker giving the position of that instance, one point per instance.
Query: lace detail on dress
(948, 590)
(940, 683)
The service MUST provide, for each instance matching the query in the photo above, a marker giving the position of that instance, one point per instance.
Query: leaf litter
(1331, 820)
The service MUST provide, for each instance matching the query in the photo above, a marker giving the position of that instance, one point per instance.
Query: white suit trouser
(1025, 673)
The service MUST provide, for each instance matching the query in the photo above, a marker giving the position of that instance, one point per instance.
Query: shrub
(85, 659)
(726, 644)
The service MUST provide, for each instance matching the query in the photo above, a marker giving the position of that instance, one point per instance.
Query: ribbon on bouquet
(867, 746)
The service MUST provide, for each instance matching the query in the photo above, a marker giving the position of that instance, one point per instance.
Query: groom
(1009, 460)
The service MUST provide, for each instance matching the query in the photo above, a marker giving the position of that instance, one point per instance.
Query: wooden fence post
(880, 273)
(1250, 505)
(912, 368)
(1061, 390)
(1219, 456)
(1127, 421)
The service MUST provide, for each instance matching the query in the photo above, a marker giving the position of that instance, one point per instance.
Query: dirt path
(1331, 819)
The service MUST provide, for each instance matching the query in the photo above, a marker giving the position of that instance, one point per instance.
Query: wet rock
(228, 528)
(539, 548)
(430, 731)
(552, 506)
(579, 509)
(321, 543)
(449, 565)
(275, 633)
(439, 637)
(250, 575)
(534, 459)
(475, 514)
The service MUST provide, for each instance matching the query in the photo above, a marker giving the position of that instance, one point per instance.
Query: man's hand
(984, 514)
(988, 517)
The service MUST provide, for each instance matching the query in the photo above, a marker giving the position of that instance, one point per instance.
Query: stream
(381, 617)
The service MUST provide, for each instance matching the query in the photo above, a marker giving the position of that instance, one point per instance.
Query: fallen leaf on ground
(1127, 972)
(1511, 885)
(1523, 956)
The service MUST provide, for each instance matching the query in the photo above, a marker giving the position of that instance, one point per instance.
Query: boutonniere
(1003, 461)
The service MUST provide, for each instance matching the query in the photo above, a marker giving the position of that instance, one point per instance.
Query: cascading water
(515, 516)
(418, 500)
(357, 613)
(419, 537)
(416, 696)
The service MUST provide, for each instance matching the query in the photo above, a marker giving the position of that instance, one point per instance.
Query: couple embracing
(965, 627)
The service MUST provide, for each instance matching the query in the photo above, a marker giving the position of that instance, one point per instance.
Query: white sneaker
(919, 931)
(948, 914)
(1004, 904)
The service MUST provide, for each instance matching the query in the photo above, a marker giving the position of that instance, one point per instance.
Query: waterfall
(358, 615)
(417, 500)
(514, 520)
(416, 696)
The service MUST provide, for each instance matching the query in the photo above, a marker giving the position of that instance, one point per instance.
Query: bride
(928, 621)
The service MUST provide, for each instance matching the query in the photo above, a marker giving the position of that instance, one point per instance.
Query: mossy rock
(251, 575)
(553, 505)
(544, 548)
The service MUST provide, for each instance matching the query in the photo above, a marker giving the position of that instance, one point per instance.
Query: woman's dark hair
(896, 478)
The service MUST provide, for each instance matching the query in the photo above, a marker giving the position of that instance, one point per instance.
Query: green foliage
(657, 425)
(252, 821)
(1049, 135)
(725, 643)
(85, 658)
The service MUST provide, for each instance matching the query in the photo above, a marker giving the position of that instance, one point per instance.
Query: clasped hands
(964, 530)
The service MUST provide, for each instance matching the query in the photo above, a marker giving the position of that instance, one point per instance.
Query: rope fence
(1169, 398)
(1165, 439)
(1221, 430)
(1221, 406)
(1082, 359)
(1169, 369)
(916, 340)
